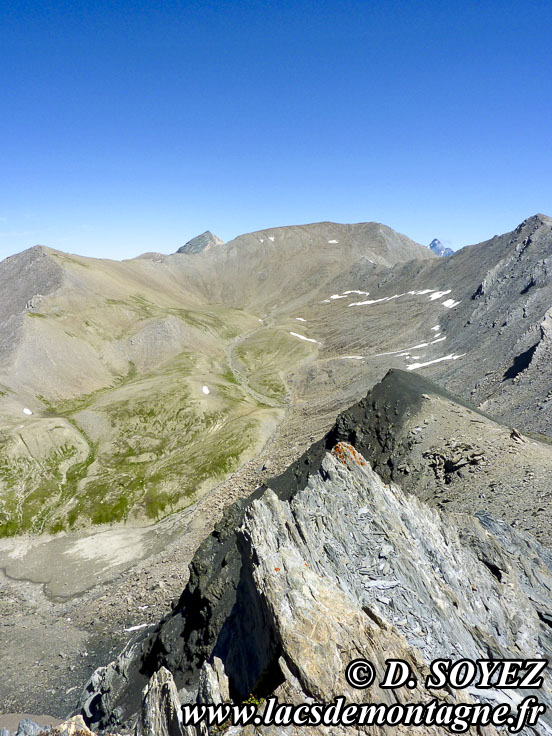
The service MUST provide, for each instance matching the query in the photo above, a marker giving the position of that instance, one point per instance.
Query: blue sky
(133, 126)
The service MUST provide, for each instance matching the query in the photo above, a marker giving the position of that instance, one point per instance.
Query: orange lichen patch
(276, 569)
(346, 453)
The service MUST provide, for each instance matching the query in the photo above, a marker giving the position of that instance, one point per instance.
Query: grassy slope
(264, 357)
(149, 442)
(161, 441)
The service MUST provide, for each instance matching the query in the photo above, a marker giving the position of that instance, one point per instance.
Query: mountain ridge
(92, 342)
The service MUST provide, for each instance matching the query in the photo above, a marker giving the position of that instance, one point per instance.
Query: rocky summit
(439, 249)
(229, 472)
(200, 242)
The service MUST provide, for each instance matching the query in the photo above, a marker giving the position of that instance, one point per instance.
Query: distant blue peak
(439, 249)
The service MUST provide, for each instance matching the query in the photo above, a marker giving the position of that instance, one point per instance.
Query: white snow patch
(424, 291)
(450, 303)
(325, 301)
(352, 357)
(271, 237)
(403, 350)
(135, 628)
(205, 390)
(26, 411)
(436, 328)
(300, 319)
(438, 335)
(451, 356)
(415, 357)
(302, 337)
(333, 241)
(368, 301)
(261, 240)
(375, 301)
(345, 294)
(439, 294)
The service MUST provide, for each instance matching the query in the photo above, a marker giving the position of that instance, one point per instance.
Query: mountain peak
(200, 242)
(439, 249)
(534, 221)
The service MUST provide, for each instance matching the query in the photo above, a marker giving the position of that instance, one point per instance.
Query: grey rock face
(213, 683)
(161, 712)
(502, 291)
(498, 324)
(98, 702)
(439, 249)
(351, 567)
(200, 242)
(27, 727)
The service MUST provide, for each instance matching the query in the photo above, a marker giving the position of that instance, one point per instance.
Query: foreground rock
(74, 726)
(350, 567)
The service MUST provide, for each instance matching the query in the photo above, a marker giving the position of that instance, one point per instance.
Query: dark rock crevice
(521, 363)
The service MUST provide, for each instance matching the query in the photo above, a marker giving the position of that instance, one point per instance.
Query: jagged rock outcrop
(347, 567)
(161, 713)
(200, 242)
(350, 567)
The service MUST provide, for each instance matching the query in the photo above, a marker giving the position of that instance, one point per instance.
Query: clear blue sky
(133, 126)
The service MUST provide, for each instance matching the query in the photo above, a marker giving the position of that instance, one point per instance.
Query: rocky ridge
(450, 454)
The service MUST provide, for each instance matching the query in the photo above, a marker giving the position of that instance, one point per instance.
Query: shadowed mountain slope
(485, 334)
